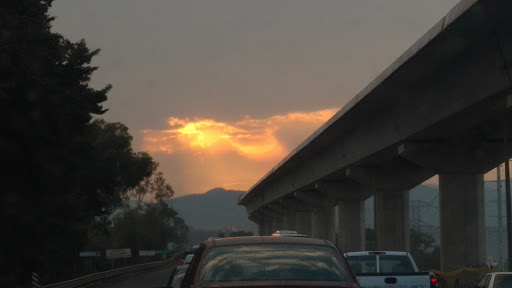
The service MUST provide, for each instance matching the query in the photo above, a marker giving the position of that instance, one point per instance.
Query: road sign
(119, 253)
(147, 252)
(90, 254)
(161, 252)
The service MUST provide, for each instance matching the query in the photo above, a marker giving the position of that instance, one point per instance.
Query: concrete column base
(392, 220)
(462, 220)
(351, 224)
(277, 224)
(303, 222)
(289, 221)
(266, 226)
(323, 223)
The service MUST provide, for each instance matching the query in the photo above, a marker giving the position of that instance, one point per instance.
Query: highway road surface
(152, 279)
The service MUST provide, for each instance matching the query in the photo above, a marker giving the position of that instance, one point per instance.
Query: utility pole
(416, 215)
(507, 193)
(500, 216)
(509, 212)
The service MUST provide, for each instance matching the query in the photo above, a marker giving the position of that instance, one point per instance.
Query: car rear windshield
(387, 264)
(282, 262)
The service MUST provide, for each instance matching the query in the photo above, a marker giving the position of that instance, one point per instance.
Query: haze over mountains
(216, 209)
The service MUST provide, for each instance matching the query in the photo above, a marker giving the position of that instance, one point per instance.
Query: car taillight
(182, 261)
(433, 281)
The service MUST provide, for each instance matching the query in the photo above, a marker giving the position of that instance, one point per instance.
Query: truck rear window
(262, 262)
(387, 264)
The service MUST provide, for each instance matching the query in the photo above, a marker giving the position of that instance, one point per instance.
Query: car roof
(361, 253)
(265, 240)
(288, 233)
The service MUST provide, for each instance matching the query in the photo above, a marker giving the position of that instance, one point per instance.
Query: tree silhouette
(154, 185)
(61, 172)
(425, 250)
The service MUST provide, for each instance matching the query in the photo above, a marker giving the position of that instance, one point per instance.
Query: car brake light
(433, 281)
(182, 261)
(377, 253)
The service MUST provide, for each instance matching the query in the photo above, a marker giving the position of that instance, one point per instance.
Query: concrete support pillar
(289, 221)
(323, 223)
(461, 204)
(277, 224)
(303, 222)
(392, 220)
(351, 226)
(266, 226)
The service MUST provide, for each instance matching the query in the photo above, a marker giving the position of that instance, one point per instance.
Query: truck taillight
(433, 281)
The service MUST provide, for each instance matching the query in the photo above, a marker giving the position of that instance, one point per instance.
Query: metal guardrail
(106, 275)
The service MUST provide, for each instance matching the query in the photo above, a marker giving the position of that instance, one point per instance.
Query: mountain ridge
(216, 209)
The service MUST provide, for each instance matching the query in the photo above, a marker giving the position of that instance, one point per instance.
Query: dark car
(192, 251)
(177, 276)
(268, 262)
(188, 259)
(183, 256)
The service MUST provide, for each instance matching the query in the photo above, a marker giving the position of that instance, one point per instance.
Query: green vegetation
(425, 250)
(63, 172)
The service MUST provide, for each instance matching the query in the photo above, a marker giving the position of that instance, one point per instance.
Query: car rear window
(283, 262)
(387, 264)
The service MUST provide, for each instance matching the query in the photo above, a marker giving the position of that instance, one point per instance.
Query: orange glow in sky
(229, 155)
(255, 139)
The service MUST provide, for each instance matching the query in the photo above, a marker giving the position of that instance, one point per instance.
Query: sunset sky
(220, 91)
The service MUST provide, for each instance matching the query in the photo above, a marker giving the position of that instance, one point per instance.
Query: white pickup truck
(386, 269)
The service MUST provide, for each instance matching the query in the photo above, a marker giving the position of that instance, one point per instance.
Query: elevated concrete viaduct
(440, 109)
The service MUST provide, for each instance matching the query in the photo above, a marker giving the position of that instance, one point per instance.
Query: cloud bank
(199, 154)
